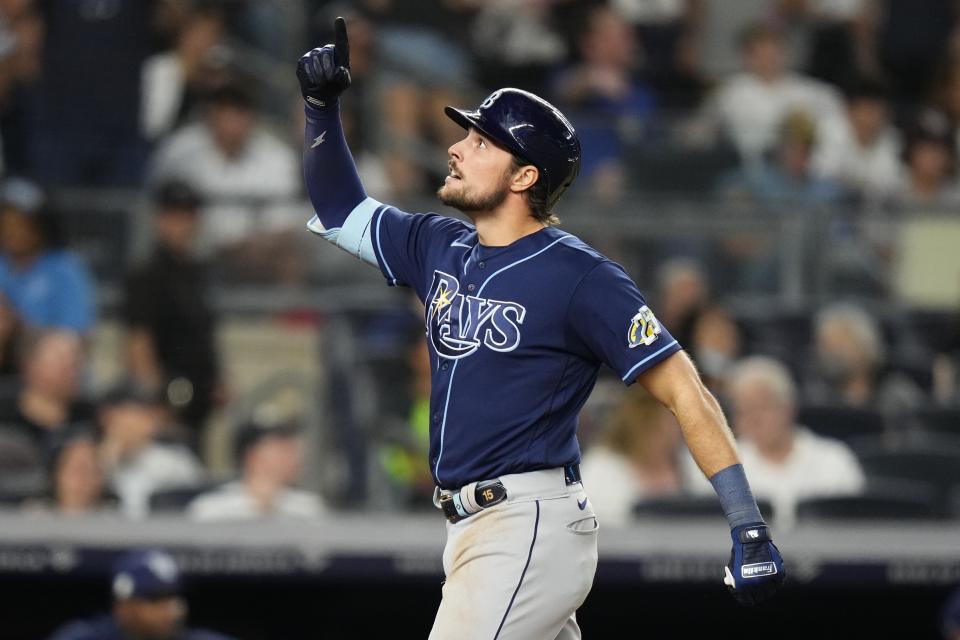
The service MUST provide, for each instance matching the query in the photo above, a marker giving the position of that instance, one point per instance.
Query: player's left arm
(677, 385)
(755, 570)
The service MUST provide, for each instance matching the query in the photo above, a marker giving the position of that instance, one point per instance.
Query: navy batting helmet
(532, 129)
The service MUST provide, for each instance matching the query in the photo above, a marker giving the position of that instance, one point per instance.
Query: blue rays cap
(145, 574)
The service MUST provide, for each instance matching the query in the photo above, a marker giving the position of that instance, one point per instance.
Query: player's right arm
(342, 209)
(396, 242)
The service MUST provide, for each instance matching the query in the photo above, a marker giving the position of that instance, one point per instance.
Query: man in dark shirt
(170, 340)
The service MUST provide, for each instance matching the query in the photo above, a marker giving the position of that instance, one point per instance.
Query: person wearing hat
(270, 456)
(138, 462)
(147, 604)
(170, 342)
(47, 286)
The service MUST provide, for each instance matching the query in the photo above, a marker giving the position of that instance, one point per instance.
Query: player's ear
(524, 178)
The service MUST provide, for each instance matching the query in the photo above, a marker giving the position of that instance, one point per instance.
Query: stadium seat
(176, 499)
(883, 500)
(935, 464)
(937, 420)
(689, 507)
(844, 423)
(938, 329)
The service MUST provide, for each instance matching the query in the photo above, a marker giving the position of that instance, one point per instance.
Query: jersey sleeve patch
(644, 328)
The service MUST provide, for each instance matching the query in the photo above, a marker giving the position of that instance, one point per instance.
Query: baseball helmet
(533, 130)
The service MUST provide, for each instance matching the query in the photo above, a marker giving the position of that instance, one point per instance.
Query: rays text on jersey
(458, 324)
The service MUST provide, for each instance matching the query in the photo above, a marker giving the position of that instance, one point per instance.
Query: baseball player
(519, 317)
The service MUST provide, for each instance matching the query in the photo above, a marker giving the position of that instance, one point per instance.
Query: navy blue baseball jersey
(516, 336)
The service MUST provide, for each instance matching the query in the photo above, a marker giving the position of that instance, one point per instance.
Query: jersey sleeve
(609, 316)
(405, 243)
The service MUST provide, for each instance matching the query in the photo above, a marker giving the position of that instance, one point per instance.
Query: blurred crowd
(806, 101)
(779, 106)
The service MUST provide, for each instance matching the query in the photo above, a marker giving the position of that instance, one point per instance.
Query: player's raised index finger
(341, 42)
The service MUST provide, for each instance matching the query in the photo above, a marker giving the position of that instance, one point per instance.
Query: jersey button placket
(471, 287)
(444, 366)
(482, 265)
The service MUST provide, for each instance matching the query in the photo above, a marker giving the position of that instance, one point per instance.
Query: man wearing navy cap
(146, 604)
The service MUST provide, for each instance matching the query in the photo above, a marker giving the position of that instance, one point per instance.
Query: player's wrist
(736, 498)
(330, 109)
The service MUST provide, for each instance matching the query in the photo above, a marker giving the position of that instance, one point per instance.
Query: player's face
(155, 619)
(479, 175)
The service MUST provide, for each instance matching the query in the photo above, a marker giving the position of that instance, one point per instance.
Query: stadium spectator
(47, 286)
(610, 107)
(244, 173)
(946, 94)
(682, 292)
(170, 342)
(715, 345)
(22, 36)
(518, 43)
(175, 80)
(147, 604)
(420, 68)
(45, 399)
(636, 459)
(670, 34)
(137, 459)
(843, 38)
(912, 41)
(788, 182)
(76, 483)
(270, 457)
(850, 364)
(93, 53)
(785, 186)
(861, 148)
(786, 461)
(11, 338)
(751, 106)
(928, 179)
(402, 459)
(24, 475)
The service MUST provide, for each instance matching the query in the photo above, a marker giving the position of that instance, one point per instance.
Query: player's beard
(468, 202)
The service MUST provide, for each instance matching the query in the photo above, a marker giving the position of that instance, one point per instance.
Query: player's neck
(503, 227)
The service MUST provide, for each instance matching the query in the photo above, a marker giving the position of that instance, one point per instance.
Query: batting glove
(756, 569)
(324, 72)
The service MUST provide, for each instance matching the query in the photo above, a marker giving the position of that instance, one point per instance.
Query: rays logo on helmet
(644, 328)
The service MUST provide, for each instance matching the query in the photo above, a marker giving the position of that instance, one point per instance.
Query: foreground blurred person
(146, 604)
